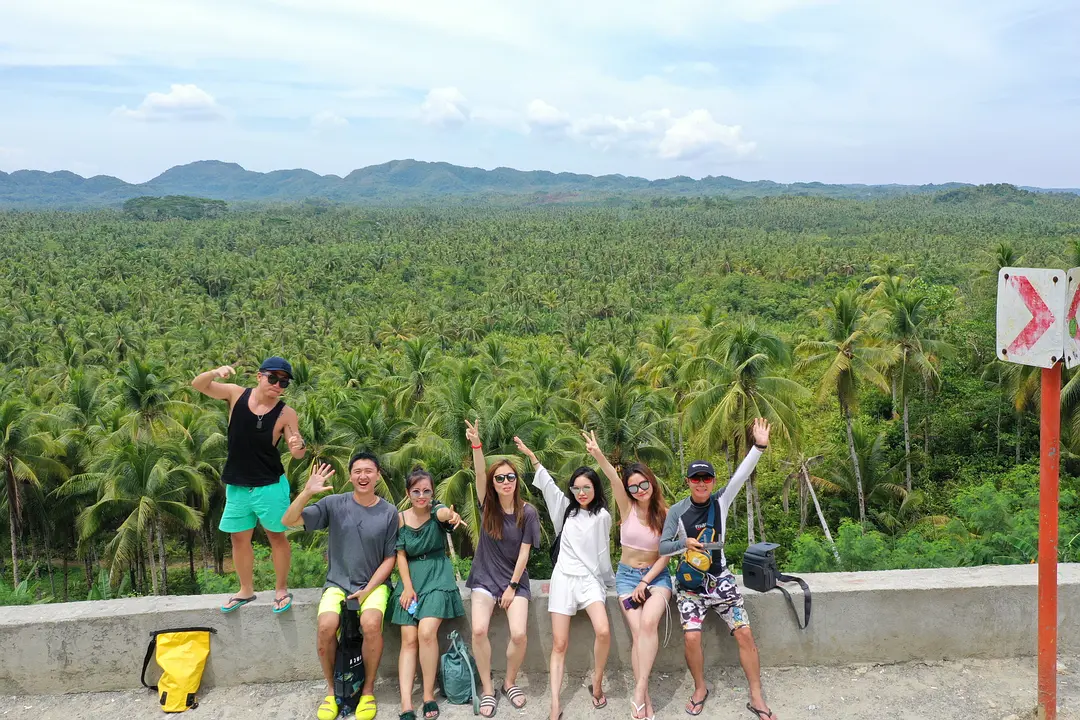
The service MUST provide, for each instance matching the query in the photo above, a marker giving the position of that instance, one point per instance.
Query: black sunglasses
(278, 380)
(640, 487)
(507, 478)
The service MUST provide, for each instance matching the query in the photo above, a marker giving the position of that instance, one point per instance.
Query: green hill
(405, 181)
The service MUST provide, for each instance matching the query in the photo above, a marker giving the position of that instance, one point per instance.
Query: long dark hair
(492, 514)
(599, 501)
(656, 513)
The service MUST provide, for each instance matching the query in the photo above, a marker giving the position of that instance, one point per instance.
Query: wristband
(476, 447)
(763, 448)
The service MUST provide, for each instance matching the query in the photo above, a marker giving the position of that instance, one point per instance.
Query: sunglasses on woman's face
(581, 489)
(278, 380)
(507, 478)
(420, 493)
(640, 487)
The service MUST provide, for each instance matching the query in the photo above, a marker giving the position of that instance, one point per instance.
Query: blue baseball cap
(276, 363)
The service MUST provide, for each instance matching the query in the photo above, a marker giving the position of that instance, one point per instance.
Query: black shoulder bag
(760, 573)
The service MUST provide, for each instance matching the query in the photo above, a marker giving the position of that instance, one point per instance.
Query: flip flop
(698, 705)
(598, 702)
(286, 596)
(762, 714)
(240, 602)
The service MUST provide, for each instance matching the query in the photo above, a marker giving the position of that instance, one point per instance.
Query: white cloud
(445, 106)
(654, 133)
(543, 117)
(698, 134)
(328, 120)
(182, 102)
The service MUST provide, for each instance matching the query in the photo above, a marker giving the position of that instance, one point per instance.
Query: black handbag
(761, 573)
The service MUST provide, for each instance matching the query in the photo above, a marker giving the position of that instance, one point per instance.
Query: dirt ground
(972, 689)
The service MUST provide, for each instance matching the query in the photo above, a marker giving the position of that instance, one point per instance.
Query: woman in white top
(582, 573)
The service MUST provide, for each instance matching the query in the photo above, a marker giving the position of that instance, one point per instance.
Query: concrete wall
(894, 616)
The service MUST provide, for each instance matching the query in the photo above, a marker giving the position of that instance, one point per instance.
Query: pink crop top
(636, 536)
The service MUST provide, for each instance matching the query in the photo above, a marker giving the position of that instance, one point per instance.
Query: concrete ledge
(884, 617)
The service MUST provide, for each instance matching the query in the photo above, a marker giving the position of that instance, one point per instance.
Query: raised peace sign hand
(524, 450)
(319, 480)
(591, 445)
(472, 432)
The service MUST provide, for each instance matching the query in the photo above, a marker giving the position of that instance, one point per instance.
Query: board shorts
(244, 506)
(330, 602)
(721, 594)
(569, 593)
(627, 579)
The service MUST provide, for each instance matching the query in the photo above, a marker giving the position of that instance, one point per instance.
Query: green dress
(431, 572)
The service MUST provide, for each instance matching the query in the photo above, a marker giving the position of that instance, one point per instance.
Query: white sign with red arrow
(1032, 305)
(1072, 323)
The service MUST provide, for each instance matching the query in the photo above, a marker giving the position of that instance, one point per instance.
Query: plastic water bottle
(412, 606)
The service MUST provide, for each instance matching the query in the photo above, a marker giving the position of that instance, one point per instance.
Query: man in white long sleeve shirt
(703, 579)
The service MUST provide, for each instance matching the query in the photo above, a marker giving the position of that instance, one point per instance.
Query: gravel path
(971, 689)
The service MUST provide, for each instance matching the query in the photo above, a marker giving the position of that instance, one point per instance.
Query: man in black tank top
(256, 489)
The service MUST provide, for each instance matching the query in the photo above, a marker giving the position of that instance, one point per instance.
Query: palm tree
(805, 481)
(850, 359)
(915, 352)
(881, 481)
(25, 453)
(734, 379)
(143, 485)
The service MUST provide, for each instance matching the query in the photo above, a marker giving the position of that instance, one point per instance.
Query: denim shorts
(627, 578)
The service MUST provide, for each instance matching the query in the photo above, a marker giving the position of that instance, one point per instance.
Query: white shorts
(570, 593)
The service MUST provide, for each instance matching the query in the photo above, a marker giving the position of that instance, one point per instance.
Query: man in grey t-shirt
(363, 535)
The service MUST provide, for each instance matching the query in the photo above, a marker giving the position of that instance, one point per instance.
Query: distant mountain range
(403, 181)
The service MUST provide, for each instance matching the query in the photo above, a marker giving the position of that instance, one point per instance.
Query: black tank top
(253, 459)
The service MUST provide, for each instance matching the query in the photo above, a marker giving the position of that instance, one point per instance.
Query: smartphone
(630, 603)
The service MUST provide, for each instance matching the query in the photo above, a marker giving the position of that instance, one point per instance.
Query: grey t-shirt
(360, 538)
(493, 566)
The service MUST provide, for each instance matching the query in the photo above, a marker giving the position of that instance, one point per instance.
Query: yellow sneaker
(366, 708)
(329, 708)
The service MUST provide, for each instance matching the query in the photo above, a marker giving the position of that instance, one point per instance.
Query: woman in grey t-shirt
(510, 528)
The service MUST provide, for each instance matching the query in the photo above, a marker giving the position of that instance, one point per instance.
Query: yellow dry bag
(181, 653)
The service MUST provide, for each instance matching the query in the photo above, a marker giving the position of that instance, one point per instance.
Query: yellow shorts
(332, 597)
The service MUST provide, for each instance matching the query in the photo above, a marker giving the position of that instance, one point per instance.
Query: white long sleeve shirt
(585, 536)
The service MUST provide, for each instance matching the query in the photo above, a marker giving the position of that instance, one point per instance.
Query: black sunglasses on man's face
(278, 380)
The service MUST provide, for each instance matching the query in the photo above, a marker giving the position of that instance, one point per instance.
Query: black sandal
(512, 693)
(430, 706)
(762, 714)
(489, 701)
(598, 703)
(407, 715)
(699, 705)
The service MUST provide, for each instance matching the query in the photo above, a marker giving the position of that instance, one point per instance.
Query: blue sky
(788, 90)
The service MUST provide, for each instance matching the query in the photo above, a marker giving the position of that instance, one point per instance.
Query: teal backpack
(457, 674)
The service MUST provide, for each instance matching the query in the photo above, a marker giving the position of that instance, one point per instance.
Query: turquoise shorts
(245, 505)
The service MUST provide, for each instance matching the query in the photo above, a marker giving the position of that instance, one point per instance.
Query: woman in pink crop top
(642, 581)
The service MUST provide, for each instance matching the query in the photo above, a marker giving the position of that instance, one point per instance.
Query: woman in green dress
(427, 592)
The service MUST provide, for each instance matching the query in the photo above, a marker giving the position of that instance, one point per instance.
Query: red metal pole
(1049, 455)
